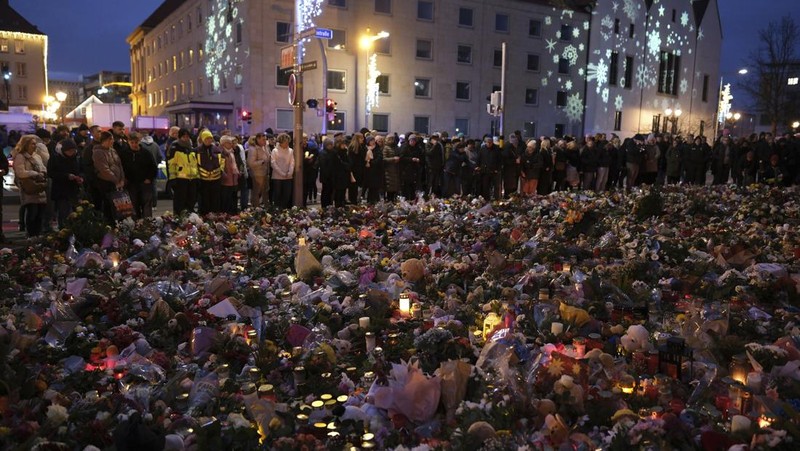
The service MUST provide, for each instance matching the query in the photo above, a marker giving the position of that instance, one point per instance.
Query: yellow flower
(232, 229)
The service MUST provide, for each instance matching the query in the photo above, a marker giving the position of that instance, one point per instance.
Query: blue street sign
(323, 33)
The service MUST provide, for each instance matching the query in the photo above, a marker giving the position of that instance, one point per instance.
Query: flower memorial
(655, 320)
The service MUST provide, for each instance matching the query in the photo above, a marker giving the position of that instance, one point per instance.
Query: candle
(544, 294)
(627, 384)
(766, 420)
(301, 241)
(299, 374)
(416, 310)
(370, 338)
(405, 304)
(252, 337)
(754, 381)
(556, 328)
(740, 423)
(567, 267)
(739, 368)
(363, 322)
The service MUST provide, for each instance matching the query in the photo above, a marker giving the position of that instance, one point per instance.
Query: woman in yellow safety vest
(182, 165)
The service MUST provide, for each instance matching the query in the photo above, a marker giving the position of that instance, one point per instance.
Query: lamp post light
(795, 125)
(367, 42)
(672, 116)
(61, 96)
(7, 84)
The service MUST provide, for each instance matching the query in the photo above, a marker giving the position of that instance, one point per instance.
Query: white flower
(57, 414)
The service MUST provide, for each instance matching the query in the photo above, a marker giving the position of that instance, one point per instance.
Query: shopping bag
(121, 204)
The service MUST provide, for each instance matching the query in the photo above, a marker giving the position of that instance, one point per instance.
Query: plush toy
(567, 385)
(635, 339)
(574, 315)
(412, 270)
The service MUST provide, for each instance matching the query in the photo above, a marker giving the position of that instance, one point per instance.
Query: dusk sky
(87, 36)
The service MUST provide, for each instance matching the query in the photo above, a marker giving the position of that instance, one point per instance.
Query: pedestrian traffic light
(312, 103)
(330, 106)
(247, 116)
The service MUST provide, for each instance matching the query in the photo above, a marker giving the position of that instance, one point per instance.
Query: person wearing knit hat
(182, 172)
(210, 165)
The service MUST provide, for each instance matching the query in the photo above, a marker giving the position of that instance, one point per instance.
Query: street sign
(323, 33)
(310, 65)
(320, 33)
(287, 57)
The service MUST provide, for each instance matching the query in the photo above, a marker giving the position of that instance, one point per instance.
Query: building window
(422, 87)
(617, 121)
(656, 127)
(424, 10)
(150, 99)
(705, 88)
(191, 56)
(191, 88)
(616, 26)
(284, 119)
(793, 81)
(338, 40)
(424, 49)
(183, 90)
(628, 81)
(558, 132)
(200, 86)
(199, 16)
(383, 6)
(462, 90)
(380, 122)
(497, 58)
(239, 32)
(535, 28)
(668, 73)
(462, 125)
(566, 32)
(529, 129)
(422, 124)
(674, 15)
(383, 84)
(22, 92)
(464, 54)
(283, 32)
(383, 46)
(238, 78)
(182, 60)
(465, 17)
(19, 47)
(613, 71)
(174, 63)
(175, 91)
(563, 66)
(631, 31)
(338, 122)
(282, 76)
(22, 69)
(336, 80)
(338, 3)
(167, 95)
(561, 98)
(501, 23)
(531, 96)
(199, 52)
(188, 23)
(4, 45)
(533, 62)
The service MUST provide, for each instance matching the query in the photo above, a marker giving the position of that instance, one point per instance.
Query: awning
(191, 107)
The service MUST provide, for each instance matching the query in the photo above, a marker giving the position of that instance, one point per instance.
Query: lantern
(739, 368)
(405, 304)
(671, 357)
(627, 384)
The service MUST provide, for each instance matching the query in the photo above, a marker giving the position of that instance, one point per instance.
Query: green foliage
(649, 206)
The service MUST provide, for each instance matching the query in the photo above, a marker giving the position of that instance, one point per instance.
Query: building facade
(23, 62)
(432, 64)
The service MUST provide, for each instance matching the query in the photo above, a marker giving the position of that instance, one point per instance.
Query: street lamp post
(367, 42)
(672, 116)
(7, 85)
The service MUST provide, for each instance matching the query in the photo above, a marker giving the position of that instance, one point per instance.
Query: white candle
(567, 267)
(363, 322)
(754, 381)
(370, 337)
(405, 304)
(740, 423)
(301, 241)
(557, 328)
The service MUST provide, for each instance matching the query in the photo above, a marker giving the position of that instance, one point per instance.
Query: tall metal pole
(503, 93)
(324, 52)
(297, 105)
(716, 116)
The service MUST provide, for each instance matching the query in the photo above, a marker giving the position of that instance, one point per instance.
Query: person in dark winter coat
(391, 167)
(452, 168)
(411, 156)
(512, 164)
(545, 185)
(721, 159)
(590, 158)
(434, 162)
(147, 143)
(531, 168)
(490, 164)
(65, 170)
(372, 174)
(341, 171)
(140, 171)
(326, 164)
(695, 161)
(634, 157)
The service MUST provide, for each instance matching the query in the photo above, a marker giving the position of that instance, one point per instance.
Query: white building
(202, 62)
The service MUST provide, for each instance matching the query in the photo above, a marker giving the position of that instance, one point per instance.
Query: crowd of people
(224, 173)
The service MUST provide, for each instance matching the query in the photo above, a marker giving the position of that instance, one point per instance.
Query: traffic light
(330, 106)
(312, 103)
(247, 116)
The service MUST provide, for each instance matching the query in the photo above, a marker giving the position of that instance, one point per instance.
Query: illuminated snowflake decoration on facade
(606, 27)
(221, 53)
(618, 103)
(570, 54)
(309, 10)
(576, 33)
(630, 9)
(645, 76)
(568, 85)
(544, 81)
(685, 18)
(684, 86)
(598, 72)
(653, 42)
(548, 20)
(604, 95)
(551, 45)
(574, 108)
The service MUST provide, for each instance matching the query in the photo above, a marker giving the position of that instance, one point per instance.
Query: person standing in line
(512, 164)
(326, 156)
(341, 174)
(258, 162)
(489, 166)
(434, 164)
(109, 171)
(530, 168)
(183, 170)
(28, 165)
(391, 164)
(545, 185)
(149, 145)
(230, 175)
(282, 163)
(140, 171)
(411, 156)
(65, 170)
(210, 165)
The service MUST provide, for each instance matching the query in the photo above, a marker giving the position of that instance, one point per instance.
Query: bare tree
(770, 64)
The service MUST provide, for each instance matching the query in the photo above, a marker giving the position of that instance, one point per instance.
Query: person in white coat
(28, 164)
(282, 164)
(258, 162)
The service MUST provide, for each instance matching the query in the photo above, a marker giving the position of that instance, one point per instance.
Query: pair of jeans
(142, 199)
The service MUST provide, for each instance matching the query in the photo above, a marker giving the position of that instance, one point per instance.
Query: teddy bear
(412, 270)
